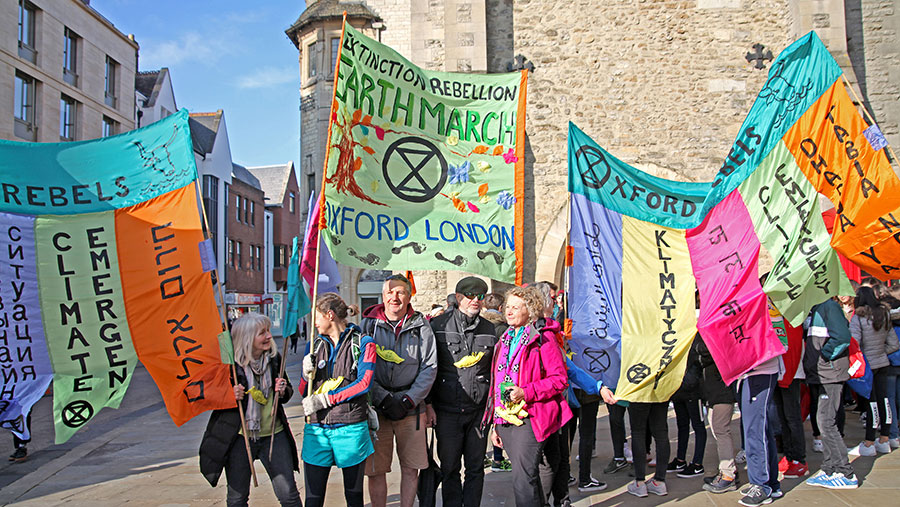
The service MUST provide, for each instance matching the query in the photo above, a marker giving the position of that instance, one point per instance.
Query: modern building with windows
(66, 72)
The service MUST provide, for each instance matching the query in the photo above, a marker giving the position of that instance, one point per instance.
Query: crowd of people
(497, 369)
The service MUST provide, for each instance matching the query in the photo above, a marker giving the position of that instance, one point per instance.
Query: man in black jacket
(465, 346)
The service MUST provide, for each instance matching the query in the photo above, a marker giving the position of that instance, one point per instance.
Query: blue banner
(97, 175)
(24, 364)
(595, 289)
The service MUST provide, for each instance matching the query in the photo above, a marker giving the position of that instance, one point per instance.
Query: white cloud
(267, 77)
(190, 47)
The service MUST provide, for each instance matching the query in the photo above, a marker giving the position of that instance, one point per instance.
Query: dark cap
(471, 285)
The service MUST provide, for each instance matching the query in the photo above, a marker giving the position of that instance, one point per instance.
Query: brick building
(283, 200)
(245, 255)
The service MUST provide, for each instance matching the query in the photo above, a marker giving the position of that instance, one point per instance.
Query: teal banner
(97, 175)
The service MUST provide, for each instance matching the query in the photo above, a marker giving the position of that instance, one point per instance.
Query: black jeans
(652, 418)
(316, 480)
(524, 453)
(793, 439)
(280, 470)
(617, 429)
(554, 468)
(18, 442)
(687, 415)
(815, 393)
(460, 441)
(587, 433)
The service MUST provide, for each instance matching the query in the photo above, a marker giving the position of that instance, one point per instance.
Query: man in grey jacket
(404, 372)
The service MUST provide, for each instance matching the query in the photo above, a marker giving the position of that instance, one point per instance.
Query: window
(311, 60)
(110, 82)
(231, 252)
(292, 202)
(70, 57)
(252, 213)
(246, 211)
(237, 205)
(27, 46)
(68, 110)
(237, 255)
(252, 257)
(211, 203)
(311, 185)
(259, 252)
(110, 127)
(24, 107)
(335, 47)
(277, 260)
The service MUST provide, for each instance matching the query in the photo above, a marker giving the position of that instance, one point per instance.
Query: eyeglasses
(472, 295)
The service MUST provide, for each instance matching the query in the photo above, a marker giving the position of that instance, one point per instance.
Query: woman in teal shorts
(340, 360)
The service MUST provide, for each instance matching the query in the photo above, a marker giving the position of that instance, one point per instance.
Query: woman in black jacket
(257, 364)
(687, 415)
(720, 399)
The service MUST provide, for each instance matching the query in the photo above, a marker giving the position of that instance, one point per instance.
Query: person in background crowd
(720, 399)
(257, 364)
(893, 300)
(341, 363)
(492, 312)
(527, 402)
(826, 371)
(451, 301)
(649, 419)
(403, 377)
(621, 450)
(686, 402)
(787, 404)
(20, 447)
(871, 325)
(465, 349)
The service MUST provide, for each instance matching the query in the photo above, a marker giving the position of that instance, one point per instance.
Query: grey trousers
(720, 424)
(524, 453)
(833, 444)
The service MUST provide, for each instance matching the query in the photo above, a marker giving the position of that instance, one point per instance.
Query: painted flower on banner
(506, 199)
(483, 166)
(460, 173)
(510, 156)
(452, 140)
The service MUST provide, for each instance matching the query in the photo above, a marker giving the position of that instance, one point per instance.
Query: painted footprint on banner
(418, 248)
(457, 261)
(497, 257)
(369, 260)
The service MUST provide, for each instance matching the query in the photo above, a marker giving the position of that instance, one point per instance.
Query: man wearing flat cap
(465, 346)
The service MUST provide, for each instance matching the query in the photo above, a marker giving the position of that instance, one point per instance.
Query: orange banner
(170, 305)
(831, 149)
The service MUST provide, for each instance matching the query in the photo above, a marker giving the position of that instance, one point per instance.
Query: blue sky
(225, 54)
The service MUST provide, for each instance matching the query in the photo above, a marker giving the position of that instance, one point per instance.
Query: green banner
(424, 168)
(84, 317)
(785, 211)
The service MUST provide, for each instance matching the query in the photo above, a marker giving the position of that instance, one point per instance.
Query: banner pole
(198, 192)
(566, 264)
(867, 115)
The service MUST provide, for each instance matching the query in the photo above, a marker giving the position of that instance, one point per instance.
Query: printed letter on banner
(658, 318)
(734, 322)
(170, 304)
(24, 364)
(84, 316)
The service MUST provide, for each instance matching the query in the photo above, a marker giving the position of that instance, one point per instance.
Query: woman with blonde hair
(340, 360)
(527, 402)
(257, 384)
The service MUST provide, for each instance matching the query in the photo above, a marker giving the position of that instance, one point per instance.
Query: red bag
(857, 360)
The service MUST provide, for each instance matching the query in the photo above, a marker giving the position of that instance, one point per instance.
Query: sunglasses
(472, 295)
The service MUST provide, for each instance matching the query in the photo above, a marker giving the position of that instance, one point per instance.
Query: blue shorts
(343, 446)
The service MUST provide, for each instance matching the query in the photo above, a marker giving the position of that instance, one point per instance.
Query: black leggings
(316, 479)
(688, 415)
(649, 418)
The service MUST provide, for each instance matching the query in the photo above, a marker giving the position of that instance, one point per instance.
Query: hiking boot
(756, 496)
(501, 466)
(591, 485)
(615, 465)
(676, 465)
(657, 487)
(720, 484)
(20, 455)
(796, 470)
(638, 489)
(691, 470)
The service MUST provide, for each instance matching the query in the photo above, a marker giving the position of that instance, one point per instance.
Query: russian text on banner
(24, 365)
(425, 169)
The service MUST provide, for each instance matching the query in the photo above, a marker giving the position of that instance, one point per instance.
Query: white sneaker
(628, 456)
(862, 450)
(895, 443)
(817, 445)
(882, 447)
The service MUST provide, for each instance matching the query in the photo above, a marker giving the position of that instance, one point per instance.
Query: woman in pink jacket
(528, 389)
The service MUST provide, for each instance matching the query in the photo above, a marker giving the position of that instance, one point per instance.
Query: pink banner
(734, 319)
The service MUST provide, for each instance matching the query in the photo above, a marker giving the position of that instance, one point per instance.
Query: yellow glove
(506, 416)
(329, 385)
(388, 354)
(469, 361)
(257, 395)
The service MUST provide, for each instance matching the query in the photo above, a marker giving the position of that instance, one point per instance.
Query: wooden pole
(223, 322)
(284, 348)
(867, 115)
(566, 266)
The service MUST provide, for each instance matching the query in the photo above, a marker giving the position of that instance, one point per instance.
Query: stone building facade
(66, 73)
(662, 85)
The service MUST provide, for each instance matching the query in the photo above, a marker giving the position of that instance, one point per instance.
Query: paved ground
(136, 456)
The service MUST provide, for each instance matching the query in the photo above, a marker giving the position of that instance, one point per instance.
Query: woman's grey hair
(544, 289)
(243, 331)
(533, 301)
